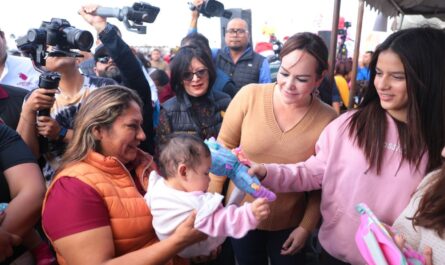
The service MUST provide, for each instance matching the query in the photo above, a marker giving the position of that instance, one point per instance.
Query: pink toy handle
(376, 244)
(239, 153)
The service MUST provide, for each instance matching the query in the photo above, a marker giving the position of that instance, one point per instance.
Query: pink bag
(377, 246)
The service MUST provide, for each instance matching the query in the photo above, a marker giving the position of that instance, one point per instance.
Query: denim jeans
(225, 258)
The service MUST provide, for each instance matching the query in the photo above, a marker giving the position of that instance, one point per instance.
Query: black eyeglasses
(188, 76)
(236, 31)
(103, 59)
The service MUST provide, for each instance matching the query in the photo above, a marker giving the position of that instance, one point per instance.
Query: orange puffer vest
(130, 218)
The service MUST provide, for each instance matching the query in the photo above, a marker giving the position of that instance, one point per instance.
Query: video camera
(57, 33)
(211, 8)
(344, 31)
(342, 50)
(140, 12)
(63, 38)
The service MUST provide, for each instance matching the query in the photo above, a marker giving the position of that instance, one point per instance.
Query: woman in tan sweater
(280, 123)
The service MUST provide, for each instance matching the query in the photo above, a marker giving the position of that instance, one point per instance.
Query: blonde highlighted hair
(99, 109)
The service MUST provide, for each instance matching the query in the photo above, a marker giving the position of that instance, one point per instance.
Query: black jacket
(133, 77)
(245, 71)
(180, 115)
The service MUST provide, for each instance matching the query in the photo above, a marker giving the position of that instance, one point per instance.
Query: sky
(284, 17)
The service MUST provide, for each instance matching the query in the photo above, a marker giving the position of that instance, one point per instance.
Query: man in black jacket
(130, 69)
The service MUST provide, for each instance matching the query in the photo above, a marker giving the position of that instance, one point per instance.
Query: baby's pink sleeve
(234, 221)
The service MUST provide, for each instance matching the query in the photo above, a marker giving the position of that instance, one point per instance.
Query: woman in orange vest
(94, 211)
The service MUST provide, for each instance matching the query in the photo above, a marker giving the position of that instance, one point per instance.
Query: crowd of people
(111, 165)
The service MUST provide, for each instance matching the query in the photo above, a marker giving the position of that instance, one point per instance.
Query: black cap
(100, 51)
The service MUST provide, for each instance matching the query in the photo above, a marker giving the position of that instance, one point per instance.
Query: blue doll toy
(226, 163)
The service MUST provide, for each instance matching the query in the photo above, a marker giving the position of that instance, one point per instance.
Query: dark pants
(225, 258)
(327, 259)
(258, 245)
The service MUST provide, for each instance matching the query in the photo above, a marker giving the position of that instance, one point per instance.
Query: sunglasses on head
(104, 59)
(188, 76)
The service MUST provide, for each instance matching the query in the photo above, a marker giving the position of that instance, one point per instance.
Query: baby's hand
(260, 208)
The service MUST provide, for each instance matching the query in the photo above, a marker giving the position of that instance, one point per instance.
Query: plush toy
(376, 244)
(226, 163)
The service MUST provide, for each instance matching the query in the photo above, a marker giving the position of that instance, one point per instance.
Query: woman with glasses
(196, 109)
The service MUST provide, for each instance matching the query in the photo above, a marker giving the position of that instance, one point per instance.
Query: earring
(316, 92)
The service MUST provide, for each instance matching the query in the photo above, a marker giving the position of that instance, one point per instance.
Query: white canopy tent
(427, 8)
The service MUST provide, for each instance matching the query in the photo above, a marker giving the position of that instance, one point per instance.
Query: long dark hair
(431, 211)
(197, 39)
(422, 53)
(181, 64)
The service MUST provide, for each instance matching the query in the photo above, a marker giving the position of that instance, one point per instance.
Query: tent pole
(333, 42)
(358, 33)
(401, 21)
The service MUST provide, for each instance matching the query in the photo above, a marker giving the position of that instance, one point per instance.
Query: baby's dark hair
(160, 77)
(181, 148)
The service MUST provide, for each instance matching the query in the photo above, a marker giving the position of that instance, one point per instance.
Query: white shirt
(19, 72)
(170, 207)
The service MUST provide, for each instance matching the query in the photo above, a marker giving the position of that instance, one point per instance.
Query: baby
(185, 162)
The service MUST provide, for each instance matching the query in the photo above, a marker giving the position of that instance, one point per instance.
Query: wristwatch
(62, 133)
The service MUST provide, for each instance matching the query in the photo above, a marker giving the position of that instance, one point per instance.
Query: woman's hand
(258, 170)
(428, 255)
(295, 242)
(186, 234)
(427, 251)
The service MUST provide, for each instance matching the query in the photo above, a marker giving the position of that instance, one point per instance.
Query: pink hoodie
(341, 170)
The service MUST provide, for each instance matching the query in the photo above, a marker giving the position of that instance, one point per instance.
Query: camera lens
(79, 39)
(36, 36)
(84, 40)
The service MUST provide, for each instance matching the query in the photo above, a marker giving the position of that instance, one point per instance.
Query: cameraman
(238, 60)
(129, 67)
(63, 104)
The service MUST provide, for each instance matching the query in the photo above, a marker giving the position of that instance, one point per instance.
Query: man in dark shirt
(11, 101)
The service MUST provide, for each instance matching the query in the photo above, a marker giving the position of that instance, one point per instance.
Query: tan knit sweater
(250, 122)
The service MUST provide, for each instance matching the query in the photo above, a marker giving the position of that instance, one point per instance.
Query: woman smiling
(196, 109)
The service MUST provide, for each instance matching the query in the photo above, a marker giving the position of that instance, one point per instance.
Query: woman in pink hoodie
(379, 153)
